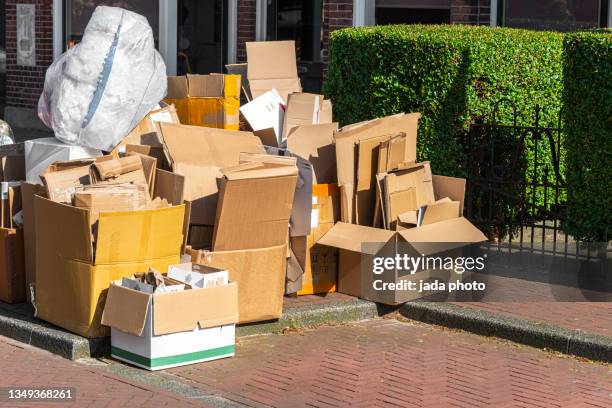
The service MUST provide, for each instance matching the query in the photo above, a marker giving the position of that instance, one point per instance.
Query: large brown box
(260, 274)
(359, 245)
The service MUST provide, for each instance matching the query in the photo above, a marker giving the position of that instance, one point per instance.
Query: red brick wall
(24, 84)
(336, 14)
(247, 12)
(470, 12)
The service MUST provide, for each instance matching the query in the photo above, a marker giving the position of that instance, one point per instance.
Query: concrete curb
(39, 334)
(30, 330)
(168, 383)
(567, 341)
(330, 313)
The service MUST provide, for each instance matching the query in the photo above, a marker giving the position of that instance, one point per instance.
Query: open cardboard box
(357, 153)
(72, 278)
(198, 154)
(206, 100)
(259, 272)
(359, 245)
(272, 65)
(63, 178)
(163, 330)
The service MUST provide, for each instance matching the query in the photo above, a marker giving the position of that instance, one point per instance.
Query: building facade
(201, 36)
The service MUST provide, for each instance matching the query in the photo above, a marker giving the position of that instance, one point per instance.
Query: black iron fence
(516, 192)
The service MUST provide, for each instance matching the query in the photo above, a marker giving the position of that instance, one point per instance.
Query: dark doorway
(201, 36)
(300, 21)
(2, 58)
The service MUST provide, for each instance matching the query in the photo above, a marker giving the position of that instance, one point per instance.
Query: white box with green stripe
(163, 330)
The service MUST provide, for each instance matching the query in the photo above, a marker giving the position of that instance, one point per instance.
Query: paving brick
(388, 363)
(594, 317)
(28, 367)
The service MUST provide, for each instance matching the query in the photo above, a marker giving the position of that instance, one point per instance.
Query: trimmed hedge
(588, 123)
(452, 74)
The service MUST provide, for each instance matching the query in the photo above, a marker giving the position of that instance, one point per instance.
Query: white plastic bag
(98, 91)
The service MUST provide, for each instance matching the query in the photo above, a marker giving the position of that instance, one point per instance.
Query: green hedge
(452, 74)
(588, 122)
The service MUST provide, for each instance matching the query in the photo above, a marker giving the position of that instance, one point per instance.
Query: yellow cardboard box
(72, 279)
(206, 100)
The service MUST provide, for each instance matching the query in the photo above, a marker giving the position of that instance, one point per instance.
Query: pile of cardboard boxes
(193, 223)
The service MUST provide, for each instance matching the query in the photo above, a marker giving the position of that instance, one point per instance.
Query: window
(201, 36)
(78, 13)
(553, 15)
(300, 21)
(412, 12)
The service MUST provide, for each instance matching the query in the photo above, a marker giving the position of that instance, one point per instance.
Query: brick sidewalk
(390, 363)
(594, 317)
(544, 295)
(25, 366)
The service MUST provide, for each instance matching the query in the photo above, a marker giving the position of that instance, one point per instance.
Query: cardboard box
(144, 133)
(12, 263)
(206, 100)
(72, 278)
(357, 152)
(104, 198)
(12, 268)
(272, 65)
(265, 114)
(302, 109)
(241, 69)
(402, 191)
(149, 168)
(255, 202)
(198, 154)
(355, 276)
(320, 262)
(162, 330)
(114, 167)
(41, 153)
(441, 210)
(260, 275)
(299, 222)
(391, 153)
(28, 192)
(315, 143)
(143, 138)
(61, 183)
(131, 168)
(62, 179)
(326, 115)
